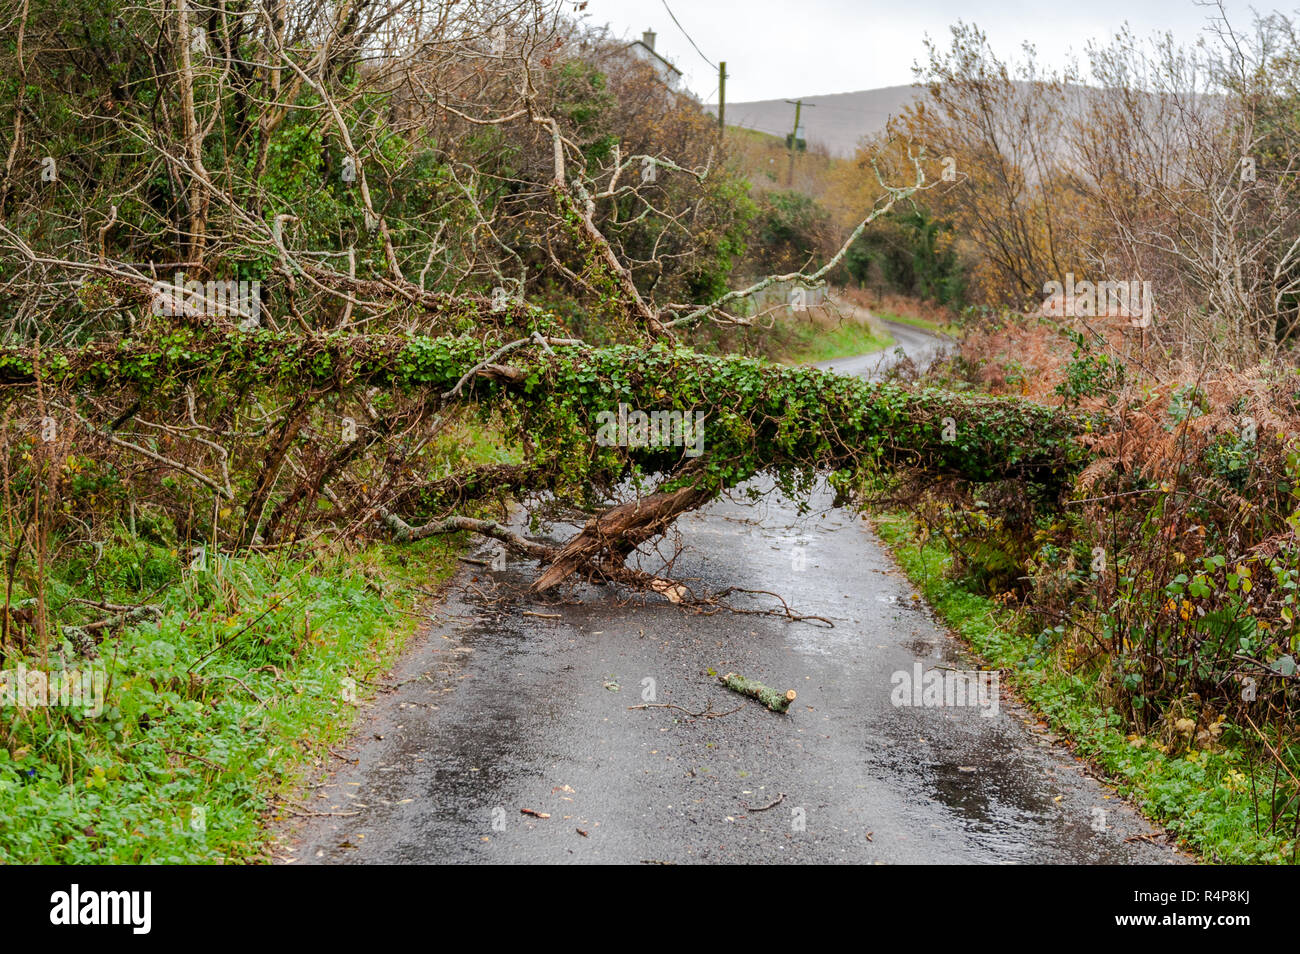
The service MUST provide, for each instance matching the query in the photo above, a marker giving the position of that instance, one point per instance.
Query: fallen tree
(551, 396)
(317, 281)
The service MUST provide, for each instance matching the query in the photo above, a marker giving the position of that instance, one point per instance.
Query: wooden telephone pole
(794, 138)
(722, 95)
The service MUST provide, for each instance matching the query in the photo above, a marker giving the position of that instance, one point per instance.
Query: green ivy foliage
(790, 422)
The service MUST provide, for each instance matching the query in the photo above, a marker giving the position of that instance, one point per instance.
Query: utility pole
(794, 138)
(722, 95)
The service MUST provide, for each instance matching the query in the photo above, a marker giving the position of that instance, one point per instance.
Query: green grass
(755, 135)
(923, 323)
(1203, 796)
(809, 344)
(212, 714)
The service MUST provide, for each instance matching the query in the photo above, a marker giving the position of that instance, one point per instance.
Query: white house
(645, 48)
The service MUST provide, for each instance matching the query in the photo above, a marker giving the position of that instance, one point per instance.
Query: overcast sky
(783, 48)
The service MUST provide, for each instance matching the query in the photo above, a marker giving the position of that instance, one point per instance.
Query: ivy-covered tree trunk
(684, 425)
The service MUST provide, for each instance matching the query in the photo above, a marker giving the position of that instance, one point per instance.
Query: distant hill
(837, 120)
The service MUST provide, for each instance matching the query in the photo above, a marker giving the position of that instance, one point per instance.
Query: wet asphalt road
(498, 712)
(919, 345)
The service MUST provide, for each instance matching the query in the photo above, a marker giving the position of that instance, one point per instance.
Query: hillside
(837, 121)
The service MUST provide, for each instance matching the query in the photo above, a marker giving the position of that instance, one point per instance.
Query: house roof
(651, 51)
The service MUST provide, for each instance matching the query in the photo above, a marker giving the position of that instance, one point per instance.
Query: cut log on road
(774, 699)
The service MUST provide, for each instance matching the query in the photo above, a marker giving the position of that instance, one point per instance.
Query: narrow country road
(500, 713)
(917, 344)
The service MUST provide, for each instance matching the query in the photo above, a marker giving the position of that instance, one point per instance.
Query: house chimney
(648, 38)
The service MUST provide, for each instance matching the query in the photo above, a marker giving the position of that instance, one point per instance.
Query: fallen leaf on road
(674, 592)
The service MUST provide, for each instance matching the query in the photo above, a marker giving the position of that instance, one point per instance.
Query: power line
(687, 35)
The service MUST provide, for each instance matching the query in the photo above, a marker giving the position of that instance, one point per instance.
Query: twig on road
(785, 610)
(706, 713)
(779, 799)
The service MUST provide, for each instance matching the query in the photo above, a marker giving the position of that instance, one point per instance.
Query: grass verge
(1209, 798)
(212, 715)
(810, 344)
(934, 327)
